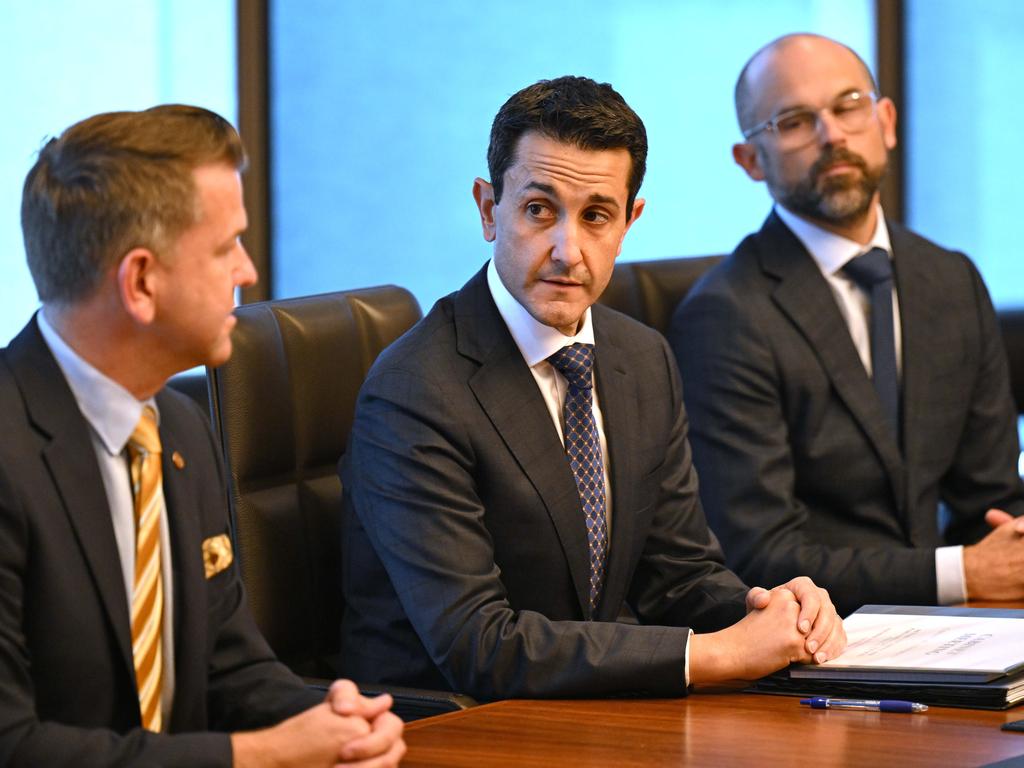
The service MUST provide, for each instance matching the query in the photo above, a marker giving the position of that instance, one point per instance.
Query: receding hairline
(742, 95)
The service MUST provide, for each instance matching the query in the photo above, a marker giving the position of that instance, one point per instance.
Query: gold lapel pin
(178, 460)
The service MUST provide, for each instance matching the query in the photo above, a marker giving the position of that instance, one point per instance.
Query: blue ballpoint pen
(876, 705)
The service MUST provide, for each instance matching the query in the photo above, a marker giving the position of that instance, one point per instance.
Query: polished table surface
(716, 729)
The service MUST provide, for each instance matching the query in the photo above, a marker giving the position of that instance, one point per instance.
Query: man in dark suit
(844, 376)
(124, 633)
(521, 513)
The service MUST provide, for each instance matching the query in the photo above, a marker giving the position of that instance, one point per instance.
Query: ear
(638, 208)
(136, 284)
(887, 118)
(745, 155)
(483, 193)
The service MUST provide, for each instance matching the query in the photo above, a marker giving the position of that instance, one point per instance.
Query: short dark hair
(114, 182)
(574, 110)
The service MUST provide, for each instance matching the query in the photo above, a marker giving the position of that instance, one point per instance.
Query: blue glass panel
(1020, 461)
(381, 114)
(964, 64)
(67, 59)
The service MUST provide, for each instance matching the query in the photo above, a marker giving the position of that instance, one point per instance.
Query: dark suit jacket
(67, 685)
(800, 472)
(466, 561)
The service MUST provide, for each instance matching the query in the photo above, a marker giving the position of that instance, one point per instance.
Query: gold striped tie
(147, 594)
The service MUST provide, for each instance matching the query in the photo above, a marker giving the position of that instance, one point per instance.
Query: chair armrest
(410, 703)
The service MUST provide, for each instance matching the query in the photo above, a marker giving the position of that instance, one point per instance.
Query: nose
(830, 132)
(245, 270)
(566, 248)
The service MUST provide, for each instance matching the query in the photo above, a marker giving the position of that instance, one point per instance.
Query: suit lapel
(913, 289)
(508, 394)
(185, 535)
(616, 395)
(71, 460)
(805, 297)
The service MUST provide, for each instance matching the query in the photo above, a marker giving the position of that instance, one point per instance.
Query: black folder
(998, 694)
(996, 688)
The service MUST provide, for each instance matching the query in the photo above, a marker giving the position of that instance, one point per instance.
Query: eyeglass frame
(771, 124)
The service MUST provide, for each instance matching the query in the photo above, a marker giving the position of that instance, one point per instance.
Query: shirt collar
(829, 250)
(536, 341)
(111, 410)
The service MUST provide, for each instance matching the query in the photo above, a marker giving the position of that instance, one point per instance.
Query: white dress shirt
(831, 252)
(537, 342)
(112, 413)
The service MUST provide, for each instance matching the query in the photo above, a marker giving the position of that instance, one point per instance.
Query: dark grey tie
(583, 449)
(872, 271)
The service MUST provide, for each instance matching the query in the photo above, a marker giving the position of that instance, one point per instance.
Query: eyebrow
(550, 190)
(545, 188)
(838, 97)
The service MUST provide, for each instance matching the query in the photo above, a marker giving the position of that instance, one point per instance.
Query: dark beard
(839, 200)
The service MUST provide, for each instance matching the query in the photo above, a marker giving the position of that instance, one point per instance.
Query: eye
(850, 104)
(793, 122)
(538, 210)
(596, 216)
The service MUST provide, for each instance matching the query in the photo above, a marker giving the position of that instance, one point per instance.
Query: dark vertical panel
(253, 121)
(889, 15)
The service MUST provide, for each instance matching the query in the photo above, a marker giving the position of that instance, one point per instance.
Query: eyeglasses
(797, 128)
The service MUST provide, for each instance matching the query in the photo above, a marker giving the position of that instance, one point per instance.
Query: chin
(845, 207)
(562, 320)
(218, 355)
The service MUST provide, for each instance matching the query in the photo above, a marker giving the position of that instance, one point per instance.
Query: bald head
(830, 174)
(771, 67)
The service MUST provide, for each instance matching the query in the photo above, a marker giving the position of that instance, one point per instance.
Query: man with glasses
(846, 383)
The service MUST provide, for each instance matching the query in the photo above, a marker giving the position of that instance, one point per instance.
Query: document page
(987, 646)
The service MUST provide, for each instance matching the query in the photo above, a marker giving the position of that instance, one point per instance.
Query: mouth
(838, 163)
(562, 289)
(838, 168)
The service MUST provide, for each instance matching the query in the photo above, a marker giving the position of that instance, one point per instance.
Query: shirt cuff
(686, 660)
(949, 575)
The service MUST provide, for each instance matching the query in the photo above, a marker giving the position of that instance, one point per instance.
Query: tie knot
(575, 363)
(146, 437)
(869, 269)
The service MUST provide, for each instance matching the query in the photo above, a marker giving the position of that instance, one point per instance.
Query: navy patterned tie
(872, 271)
(583, 449)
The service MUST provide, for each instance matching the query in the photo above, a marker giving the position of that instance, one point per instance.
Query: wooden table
(726, 729)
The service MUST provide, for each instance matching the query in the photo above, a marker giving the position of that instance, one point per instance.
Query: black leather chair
(193, 384)
(283, 407)
(650, 290)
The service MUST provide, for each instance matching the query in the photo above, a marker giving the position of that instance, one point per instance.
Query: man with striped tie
(521, 512)
(124, 633)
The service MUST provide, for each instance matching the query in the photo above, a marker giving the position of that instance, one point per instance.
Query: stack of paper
(970, 657)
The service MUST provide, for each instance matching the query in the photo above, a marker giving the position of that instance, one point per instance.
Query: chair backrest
(649, 291)
(283, 407)
(1011, 323)
(194, 385)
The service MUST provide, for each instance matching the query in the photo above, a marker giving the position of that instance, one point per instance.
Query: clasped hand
(817, 620)
(794, 622)
(994, 567)
(346, 729)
